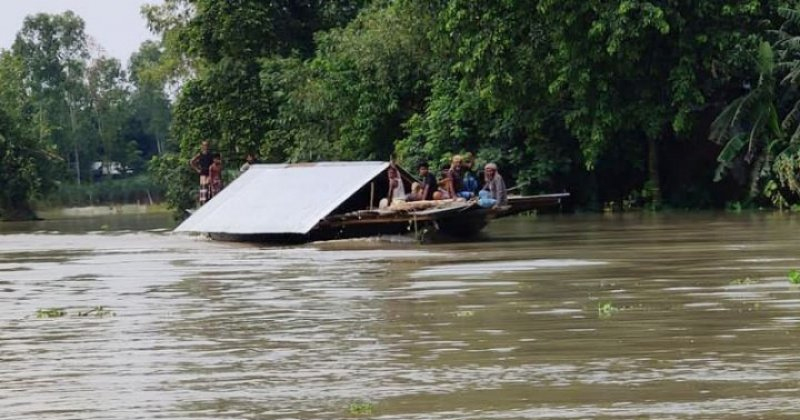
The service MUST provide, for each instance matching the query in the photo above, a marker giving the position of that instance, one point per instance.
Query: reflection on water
(705, 322)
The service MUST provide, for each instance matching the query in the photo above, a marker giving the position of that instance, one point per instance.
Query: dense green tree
(352, 100)
(221, 46)
(603, 97)
(109, 101)
(611, 100)
(680, 56)
(53, 49)
(489, 91)
(614, 75)
(760, 130)
(25, 161)
(150, 119)
(62, 109)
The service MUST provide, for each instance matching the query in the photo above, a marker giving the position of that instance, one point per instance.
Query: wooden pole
(371, 194)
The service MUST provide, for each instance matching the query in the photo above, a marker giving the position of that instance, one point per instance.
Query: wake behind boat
(336, 200)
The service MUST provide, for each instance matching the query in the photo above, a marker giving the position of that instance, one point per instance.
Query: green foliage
(543, 88)
(181, 182)
(743, 282)
(97, 311)
(755, 110)
(139, 189)
(60, 112)
(150, 108)
(734, 206)
(351, 100)
(794, 276)
(606, 310)
(54, 52)
(225, 101)
(610, 99)
(25, 162)
(109, 99)
(361, 408)
(766, 119)
(551, 92)
(50, 313)
(229, 99)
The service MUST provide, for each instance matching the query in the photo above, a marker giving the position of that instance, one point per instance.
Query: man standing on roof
(215, 176)
(200, 163)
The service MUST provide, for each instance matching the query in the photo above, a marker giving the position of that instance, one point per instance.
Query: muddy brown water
(676, 316)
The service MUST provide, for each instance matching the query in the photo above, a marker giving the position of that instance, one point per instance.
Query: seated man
(494, 190)
(416, 192)
(429, 184)
(397, 191)
(443, 189)
(470, 181)
(455, 182)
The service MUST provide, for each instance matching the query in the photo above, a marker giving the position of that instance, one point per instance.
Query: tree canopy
(611, 100)
(66, 109)
(614, 101)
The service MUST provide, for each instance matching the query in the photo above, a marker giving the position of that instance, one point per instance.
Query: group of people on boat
(458, 182)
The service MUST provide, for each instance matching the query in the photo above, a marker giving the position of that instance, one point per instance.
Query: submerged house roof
(282, 198)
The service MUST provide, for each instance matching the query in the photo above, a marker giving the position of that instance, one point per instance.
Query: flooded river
(633, 316)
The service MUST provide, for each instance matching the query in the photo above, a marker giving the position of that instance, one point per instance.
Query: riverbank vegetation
(623, 103)
(71, 116)
(137, 189)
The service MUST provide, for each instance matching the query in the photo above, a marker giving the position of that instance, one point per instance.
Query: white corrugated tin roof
(281, 198)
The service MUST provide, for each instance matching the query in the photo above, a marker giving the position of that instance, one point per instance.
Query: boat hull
(461, 221)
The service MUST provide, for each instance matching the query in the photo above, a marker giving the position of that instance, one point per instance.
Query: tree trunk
(653, 182)
(77, 164)
(72, 124)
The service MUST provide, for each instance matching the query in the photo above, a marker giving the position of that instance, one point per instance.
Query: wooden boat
(457, 219)
(294, 203)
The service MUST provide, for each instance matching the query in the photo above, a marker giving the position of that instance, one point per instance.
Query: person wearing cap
(494, 190)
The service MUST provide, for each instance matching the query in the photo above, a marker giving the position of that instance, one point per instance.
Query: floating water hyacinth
(98, 311)
(606, 309)
(794, 276)
(361, 408)
(742, 281)
(50, 313)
